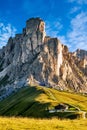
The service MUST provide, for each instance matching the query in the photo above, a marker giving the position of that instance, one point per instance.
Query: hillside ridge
(42, 102)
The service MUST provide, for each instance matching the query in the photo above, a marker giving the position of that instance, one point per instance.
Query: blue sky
(65, 19)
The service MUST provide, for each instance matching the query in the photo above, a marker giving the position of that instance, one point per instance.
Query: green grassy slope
(35, 102)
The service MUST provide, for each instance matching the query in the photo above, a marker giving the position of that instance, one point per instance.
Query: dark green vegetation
(37, 101)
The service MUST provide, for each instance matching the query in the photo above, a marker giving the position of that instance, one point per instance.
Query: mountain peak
(35, 24)
(34, 58)
(35, 19)
(82, 54)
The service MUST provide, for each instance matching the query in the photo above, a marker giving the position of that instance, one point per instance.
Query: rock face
(34, 58)
(82, 56)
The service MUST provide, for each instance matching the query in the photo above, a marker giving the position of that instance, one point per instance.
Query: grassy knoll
(41, 124)
(35, 101)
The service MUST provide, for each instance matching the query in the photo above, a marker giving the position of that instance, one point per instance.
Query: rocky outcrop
(34, 58)
(82, 56)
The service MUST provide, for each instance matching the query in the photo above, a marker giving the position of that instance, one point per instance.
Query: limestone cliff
(82, 56)
(34, 58)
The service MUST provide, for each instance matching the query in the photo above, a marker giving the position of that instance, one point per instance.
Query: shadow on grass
(24, 104)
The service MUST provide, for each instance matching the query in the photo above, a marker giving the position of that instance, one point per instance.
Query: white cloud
(75, 9)
(77, 35)
(53, 27)
(64, 41)
(5, 32)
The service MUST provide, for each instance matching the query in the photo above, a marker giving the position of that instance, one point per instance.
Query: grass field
(41, 124)
(27, 109)
(35, 102)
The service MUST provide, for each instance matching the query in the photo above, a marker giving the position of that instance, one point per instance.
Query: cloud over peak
(6, 30)
(78, 32)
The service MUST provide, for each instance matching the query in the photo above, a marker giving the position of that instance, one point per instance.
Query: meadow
(28, 109)
(14, 123)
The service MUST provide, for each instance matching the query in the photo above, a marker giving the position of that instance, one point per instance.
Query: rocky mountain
(82, 54)
(36, 59)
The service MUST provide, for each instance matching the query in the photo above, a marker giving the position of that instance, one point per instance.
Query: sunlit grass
(34, 101)
(70, 98)
(41, 124)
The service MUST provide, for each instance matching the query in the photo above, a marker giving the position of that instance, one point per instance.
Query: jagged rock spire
(45, 59)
